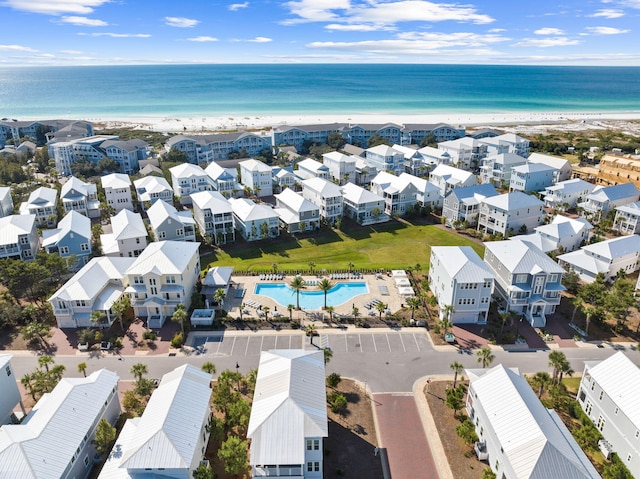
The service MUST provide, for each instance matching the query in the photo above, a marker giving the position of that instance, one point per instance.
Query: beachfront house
(562, 234)
(167, 223)
(66, 151)
(604, 199)
(161, 278)
(188, 179)
(296, 213)
(224, 180)
(213, 214)
(208, 148)
(563, 166)
(465, 153)
(627, 220)
(510, 213)
(95, 287)
(517, 436)
(42, 203)
(117, 191)
(385, 158)
(496, 169)
(607, 257)
(151, 189)
(508, 143)
(128, 237)
(447, 177)
(170, 437)
(56, 438)
(256, 175)
(461, 282)
(254, 221)
(128, 154)
(325, 195)
(461, 206)
(289, 415)
(363, 206)
(608, 394)
(528, 282)
(342, 168)
(10, 396)
(298, 136)
(361, 133)
(77, 195)
(18, 237)
(566, 195)
(532, 177)
(415, 133)
(72, 237)
(42, 129)
(310, 168)
(6, 202)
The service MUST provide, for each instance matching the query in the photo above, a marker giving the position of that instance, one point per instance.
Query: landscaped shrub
(149, 336)
(177, 341)
(337, 402)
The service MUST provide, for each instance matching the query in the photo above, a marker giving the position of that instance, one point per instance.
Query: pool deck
(232, 304)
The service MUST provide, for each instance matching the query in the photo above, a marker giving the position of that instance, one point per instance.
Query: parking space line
(346, 346)
(219, 344)
(360, 341)
(261, 342)
(388, 342)
(246, 350)
(275, 346)
(290, 341)
(402, 341)
(416, 340)
(375, 347)
(233, 346)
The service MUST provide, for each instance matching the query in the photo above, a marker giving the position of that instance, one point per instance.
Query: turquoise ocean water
(221, 90)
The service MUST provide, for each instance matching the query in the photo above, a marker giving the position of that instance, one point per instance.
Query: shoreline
(582, 120)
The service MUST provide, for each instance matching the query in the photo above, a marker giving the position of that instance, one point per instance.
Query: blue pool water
(282, 294)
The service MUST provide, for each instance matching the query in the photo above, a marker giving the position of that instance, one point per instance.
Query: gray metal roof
(164, 257)
(463, 264)
(520, 257)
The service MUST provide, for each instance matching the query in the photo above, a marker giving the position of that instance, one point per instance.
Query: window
(553, 278)
(86, 460)
(180, 232)
(601, 395)
(588, 408)
(521, 278)
(316, 444)
(162, 234)
(171, 280)
(84, 247)
(64, 250)
(24, 240)
(316, 466)
(8, 370)
(138, 280)
(600, 424)
(309, 466)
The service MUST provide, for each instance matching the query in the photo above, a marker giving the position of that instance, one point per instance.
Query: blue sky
(99, 32)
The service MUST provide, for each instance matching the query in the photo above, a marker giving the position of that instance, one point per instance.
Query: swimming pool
(282, 294)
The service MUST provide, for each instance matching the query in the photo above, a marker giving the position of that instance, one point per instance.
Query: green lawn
(392, 245)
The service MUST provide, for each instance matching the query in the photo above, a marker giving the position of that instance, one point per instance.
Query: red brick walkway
(400, 431)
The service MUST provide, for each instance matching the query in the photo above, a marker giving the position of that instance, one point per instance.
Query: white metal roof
(312, 165)
(247, 210)
(289, 405)
(570, 186)
(44, 443)
(614, 248)
(74, 187)
(164, 257)
(128, 225)
(13, 226)
(218, 276)
(151, 184)
(186, 170)
(160, 211)
(211, 200)
(43, 197)
(115, 181)
(615, 192)
(295, 201)
(463, 264)
(533, 168)
(358, 195)
(325, 188)
(73, 222)
(554, 161)
(630, 209)
(254, 165)
(521, 257)
(619, 377)
(562, 226)
(513, 201)
(450, 173)
(535, 442)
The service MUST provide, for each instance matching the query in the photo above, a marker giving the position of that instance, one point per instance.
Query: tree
(414, 303)
(558, 361)
(311, 331)
(312, 266)
(132, 403)
(82, 368)
(571, 280)
(297, 284)
(264, 229)
(238, 415)
(467, 432)
(179, 316)
(120, 307)
(98, 317)
(203, 471)
(328, 354)
(290, 308)
(233, 453)
(144, 387)
(219, 297)
(457, 368)
(446, 323)
(333, 380)
(105, 437)
(540, 380)
(46, 361)
(209, 367)
(266, 310)
(488, 474)
(37, 331)
(337, 402)
(376, 140)
(485, 357)
(381, 307)
(335, 140)
(138, 370)
(330, 310)
(454, 398)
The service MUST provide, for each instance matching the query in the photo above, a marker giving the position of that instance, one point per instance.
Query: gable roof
(77, 185)
(614, 248)
(295, 201)
(73, 222)
(217, 172)
(520, 257)
(554, 161)
(247, 210)
(116, 180)
(254, 165)
(164, 257)
(15, 225)
(614, 192)
(513, 201)
(325, 188)
(184, 170)
(562, 226)
(289, 405)
(504, 158)
(312, 165)
(570, 186)
(160, 211)
(462, 263)
(151, 184)
(128, 225)
(357, 194)
(211, 200)
(533, 168)
(473, 194)
(43, 197)
(451, 174)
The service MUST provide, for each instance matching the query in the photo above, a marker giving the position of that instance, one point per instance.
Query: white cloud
(83, 21)
(448, 40)
(608, 13)
(252, 40)
(549, 31)
(630, 3)
(341, 27)
(55, 7)
(402, 47)
(16, 48)
(237, 6)
(380, 13)
(72, 52)
(116, 35)
(546, 42)
(202, 39)
(180, 22)
(497, 30)
(606, 30)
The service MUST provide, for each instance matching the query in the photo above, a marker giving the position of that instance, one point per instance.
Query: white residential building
(465, 153)
(257, 176)
(161, 278)
(608, 394)
(400, 193)
(310, 168)
(510, 213)
(76, 195)
(213, 214)
(462, 205)
(188, 179)
(385, 158)
(447, 177)
(562, 234)
(98, 285)
(496, 169)
(627, 220)
(10, 396)
(413, 162)
(433, 157)
(254, 221)
(128, 237)
(566, 195)
(294, 210)
(604, 199)
(363, 206)
(6, 202)
(167, 223)
(428, 194)
(460, 279)
(563, 166)
(508, 143)
(532, 177)
(365, 173)
(170, 437)
(128, 153)
(151, 189)
(527, 280)
(55, 439)
(18, 237)
(224, 180)
(325, 195)
(283, 178)
(606, 257)
(72, 237)
(289, 415)
(42, 203)
(342, 168)
(518, 436)
(117, 191)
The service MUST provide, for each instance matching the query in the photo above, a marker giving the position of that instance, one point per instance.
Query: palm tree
(297, 284)
(312, 266)
(414, 303)
(209, 367)
(266, 310)
(484, 356)
(274, 267)
(446, 323)
(218, 297)
(138, 370)
(541, 380)
(97, 317)
(290, 308)
(179, 316)
(311, 331)
(351, 266)
(120, 307)
(325, 285)
(328, 354)
(355, 312)
(457, 368)
(558, 361)
(330, 310)
(82, 368)
(46, 361)
(381, 307)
